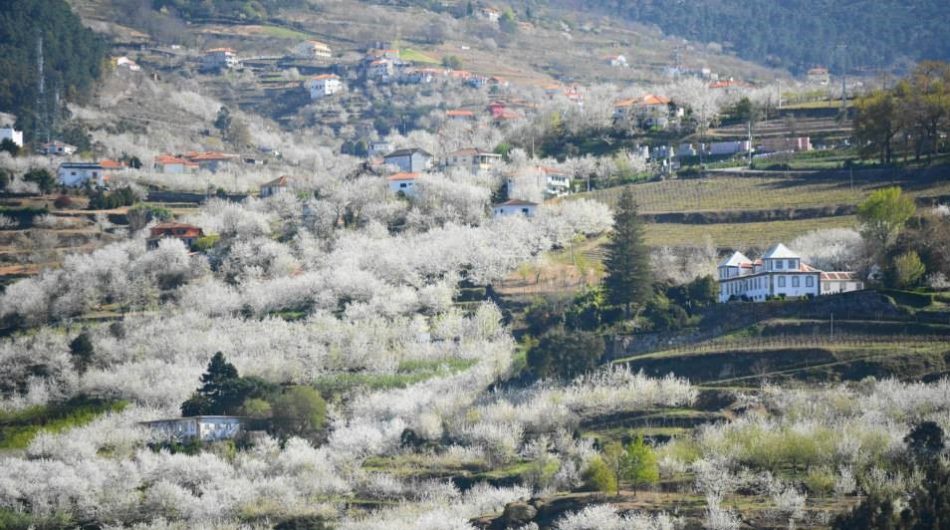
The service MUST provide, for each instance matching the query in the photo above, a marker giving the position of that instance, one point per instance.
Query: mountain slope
(799, 34)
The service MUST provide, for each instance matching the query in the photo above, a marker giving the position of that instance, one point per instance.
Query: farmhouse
(57, 148)
(324, 85)
(779, 273)
(75, 174)
(313, 49)
(490, 14)
(514, 207)
(409, 160)
(202, 428)
(472, 160)
(173, 164)
(9, 133)
(403, 183)
(210, 160)
(381, 70)
(219, 58)
(188, 234)
(277, 186)
(460, 115)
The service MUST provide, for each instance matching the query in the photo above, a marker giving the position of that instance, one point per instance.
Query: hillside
(801, 34)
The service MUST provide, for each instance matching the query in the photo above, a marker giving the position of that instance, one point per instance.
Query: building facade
(76, 174)
(324, 85)
(201, 428)
(409, 160)
(780, 273)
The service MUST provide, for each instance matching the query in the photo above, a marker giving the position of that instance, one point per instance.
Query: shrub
(62, 202)
(565, 355)
(906, 270)
(820, 481)
(299, 411)
(598, 476)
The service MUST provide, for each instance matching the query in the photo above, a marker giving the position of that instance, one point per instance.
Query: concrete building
(515, 207)
(409, 160)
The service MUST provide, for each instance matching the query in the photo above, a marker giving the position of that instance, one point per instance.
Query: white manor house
(779, 273)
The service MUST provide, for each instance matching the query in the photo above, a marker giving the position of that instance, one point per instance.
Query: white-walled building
(57, 148)
(779, 273)
(324, 85)
(404, 183)
(313, 49)
(218, 58)
(75, 174)
(9, 133)
(515, 207)
(203, 428)
(472, 160)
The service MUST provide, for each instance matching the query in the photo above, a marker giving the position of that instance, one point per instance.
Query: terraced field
(731, 193)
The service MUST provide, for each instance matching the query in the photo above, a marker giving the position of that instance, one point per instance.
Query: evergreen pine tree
(629, 279)
(217, 378)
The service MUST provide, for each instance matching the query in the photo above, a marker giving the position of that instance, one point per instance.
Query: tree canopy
(800, 34)
(884, 213)
(73, 56)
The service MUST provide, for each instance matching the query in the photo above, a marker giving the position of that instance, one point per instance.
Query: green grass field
(284, 33)
(719, 193)
(409, 54)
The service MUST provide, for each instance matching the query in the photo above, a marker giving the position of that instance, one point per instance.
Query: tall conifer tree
(629, 281)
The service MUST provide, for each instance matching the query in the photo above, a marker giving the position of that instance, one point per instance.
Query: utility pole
(750, 142)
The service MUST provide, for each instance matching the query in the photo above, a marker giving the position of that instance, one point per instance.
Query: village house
(819, 76)
(76, 174)
(617, 61)
(219, 58)
(210, 160)
(729, 148)
(490, 14)
(389, 54)
(409, 160)
(648, 111)
(780, 273)
(381, 70)
(188, 234)
(9, 133)
(515, 207)
(380, 147)
(324, 85)
(402, 183)
(57, 148)
(275, 187)
(420, 76)
(473, 160)
(313, 49)
(477, 81)
(556, 182)
(200, 428)
(173, 164)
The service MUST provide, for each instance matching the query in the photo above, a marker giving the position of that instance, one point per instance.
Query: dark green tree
(565, 355)
(629, 280)
(223, 121)
(925, 439)
(217, 388)
(81, 351)
(9, 146)
(41, 178)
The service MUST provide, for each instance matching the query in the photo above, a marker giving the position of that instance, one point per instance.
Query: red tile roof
(403, 176)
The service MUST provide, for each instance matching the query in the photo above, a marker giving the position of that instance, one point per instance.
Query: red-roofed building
(210, 160)
(173, 164)
(515, 207)
(403, 183)
(219, 58)
(780, 273)
(321, 86)
(188, 234)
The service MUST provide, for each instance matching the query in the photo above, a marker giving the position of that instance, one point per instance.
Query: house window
(791, 264)
(779, 264)
(402, 185)
(796, 282)
(524, 211)
(809, 281)
(781, 281)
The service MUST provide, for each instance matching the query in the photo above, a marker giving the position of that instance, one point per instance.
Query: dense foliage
(242, 9)
(72, 55)
(800, 34)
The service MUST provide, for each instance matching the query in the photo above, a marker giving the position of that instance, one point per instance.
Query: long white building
(779, 273)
